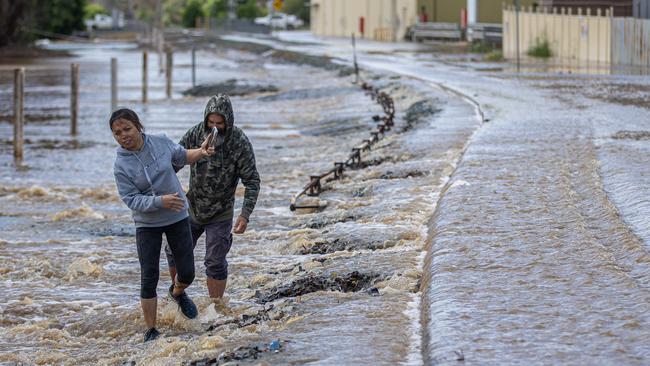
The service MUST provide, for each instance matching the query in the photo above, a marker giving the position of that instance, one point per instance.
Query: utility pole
(517, 31)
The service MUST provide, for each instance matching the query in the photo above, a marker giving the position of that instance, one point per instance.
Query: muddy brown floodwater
(341, 286)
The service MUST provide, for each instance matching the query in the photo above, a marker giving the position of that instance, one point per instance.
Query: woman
(147, 183)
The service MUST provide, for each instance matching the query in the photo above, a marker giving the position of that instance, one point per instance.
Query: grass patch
(481, 47)
(541, 49)
(494, 56)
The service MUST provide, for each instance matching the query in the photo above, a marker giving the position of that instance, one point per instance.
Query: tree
(193, 9)
(91, 9)
(59, 16)
(248, 10)
(11, 15)
(217, 9)
(298, 8)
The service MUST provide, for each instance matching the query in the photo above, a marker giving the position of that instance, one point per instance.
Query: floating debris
(232, 87)
(351, 282)
(632, 135)
(419, 112)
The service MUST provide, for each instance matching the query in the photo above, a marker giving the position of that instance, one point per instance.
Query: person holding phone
(147, 184)
(213, 183)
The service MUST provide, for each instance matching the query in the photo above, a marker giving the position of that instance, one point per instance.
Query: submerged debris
(312, 93)
(238, 354)
(402, 174)
(320, 221)
(418, 112)
(632, 135)
(340, 244)
(351, 282)
(231, 87)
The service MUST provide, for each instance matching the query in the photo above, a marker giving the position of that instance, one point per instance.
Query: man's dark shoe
(184, 303)
(151, 334)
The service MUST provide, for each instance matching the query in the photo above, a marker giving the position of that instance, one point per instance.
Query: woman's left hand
(207, 150)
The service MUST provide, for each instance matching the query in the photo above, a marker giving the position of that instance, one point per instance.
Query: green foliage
(248, 10)
(193, 9)
(91, 9)
(481, 47)
(59, 16)
(494, 56)
(298, 8)
(173, 11)
(541, 49)
(217, 9)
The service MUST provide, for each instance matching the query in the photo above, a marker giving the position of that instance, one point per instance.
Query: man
(213, 182)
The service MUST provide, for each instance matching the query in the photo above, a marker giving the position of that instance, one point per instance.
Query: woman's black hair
(127, 114)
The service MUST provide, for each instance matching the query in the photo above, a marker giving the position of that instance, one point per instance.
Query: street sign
(277, 5)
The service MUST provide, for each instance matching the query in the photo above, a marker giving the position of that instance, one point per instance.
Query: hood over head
(220, 104)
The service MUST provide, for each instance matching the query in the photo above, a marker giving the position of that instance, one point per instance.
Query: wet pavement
(503, 221)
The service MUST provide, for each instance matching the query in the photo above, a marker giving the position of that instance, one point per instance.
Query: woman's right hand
(173, 202)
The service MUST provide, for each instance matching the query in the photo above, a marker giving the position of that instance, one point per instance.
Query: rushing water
(69, 266)
(521, 240)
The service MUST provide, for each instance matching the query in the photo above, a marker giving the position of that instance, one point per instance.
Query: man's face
(216, 120)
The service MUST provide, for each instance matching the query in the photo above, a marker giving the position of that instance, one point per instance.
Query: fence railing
(430, 30)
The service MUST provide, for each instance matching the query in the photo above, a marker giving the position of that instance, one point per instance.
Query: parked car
(100, 21)
(280, 21)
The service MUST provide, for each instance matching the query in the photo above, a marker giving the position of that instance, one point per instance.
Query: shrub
(541, 49)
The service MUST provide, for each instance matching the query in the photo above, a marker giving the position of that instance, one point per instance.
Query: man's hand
(240, 225)
(173, 202)
(207, 150)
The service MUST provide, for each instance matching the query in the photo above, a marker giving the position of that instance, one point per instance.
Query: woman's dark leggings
(149, 241)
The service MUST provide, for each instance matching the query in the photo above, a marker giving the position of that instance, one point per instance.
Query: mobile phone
(215, 132)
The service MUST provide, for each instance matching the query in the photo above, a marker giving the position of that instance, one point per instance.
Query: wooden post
(74, 98)
(168, 73)
(113, 84)
(144, 76)
(19, 116)
(193, 66)
(354, 55)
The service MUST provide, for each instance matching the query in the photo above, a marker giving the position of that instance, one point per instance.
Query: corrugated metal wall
(631, 41)
(641, 9)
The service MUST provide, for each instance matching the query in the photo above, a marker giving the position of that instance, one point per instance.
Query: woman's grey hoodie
(144, 176)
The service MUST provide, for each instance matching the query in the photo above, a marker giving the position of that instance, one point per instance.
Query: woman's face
(126, 134)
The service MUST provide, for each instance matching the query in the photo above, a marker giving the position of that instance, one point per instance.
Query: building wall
(448, 11)
(385, 20)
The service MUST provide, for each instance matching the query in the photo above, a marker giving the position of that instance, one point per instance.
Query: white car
(280, 21)
(100, 21)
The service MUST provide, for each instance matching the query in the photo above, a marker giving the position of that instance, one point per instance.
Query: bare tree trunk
(11, 14)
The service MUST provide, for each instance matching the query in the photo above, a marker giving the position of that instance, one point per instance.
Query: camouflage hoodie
(214, 179)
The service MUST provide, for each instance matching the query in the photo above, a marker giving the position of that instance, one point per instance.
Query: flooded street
(504, 219)
(68, 254)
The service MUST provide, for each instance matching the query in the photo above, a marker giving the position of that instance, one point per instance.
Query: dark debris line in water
(350, 282)
(232, 87)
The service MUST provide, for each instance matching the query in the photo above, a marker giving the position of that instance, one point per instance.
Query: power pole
(517, 31)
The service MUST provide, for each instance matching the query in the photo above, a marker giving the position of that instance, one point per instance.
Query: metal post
(193, 66)
(19, 115)
(354, 53)
(168, 73)
(145, 67)
(74, 98)
(517, 31)
(113, 84)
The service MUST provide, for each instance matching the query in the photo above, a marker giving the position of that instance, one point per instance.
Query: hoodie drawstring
(144, 167)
